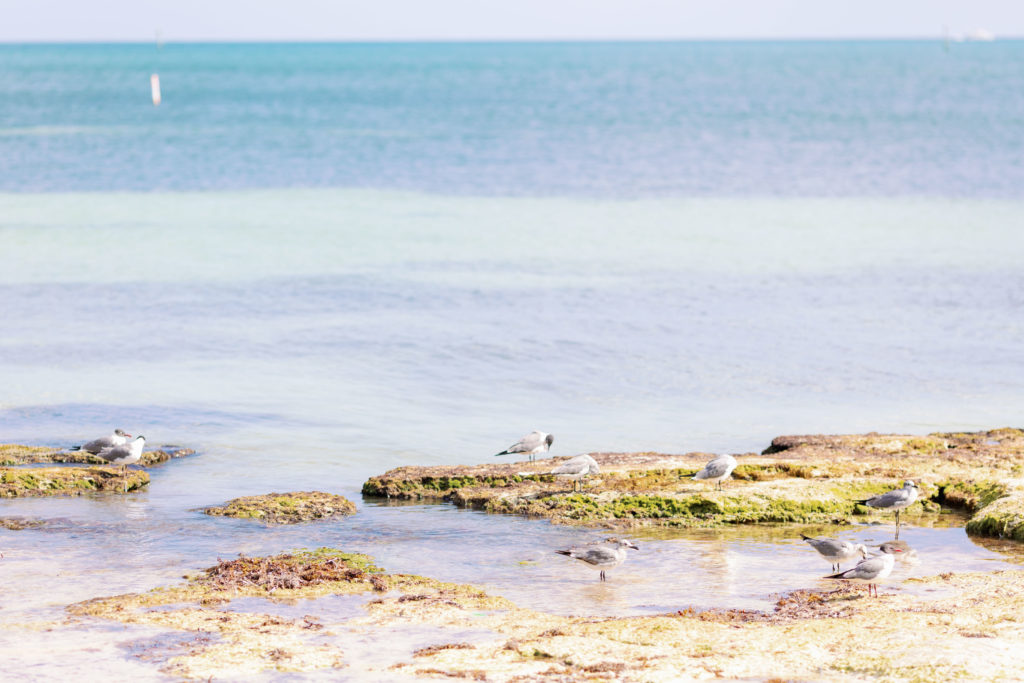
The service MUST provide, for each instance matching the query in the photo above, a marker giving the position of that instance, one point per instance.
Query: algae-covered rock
(802, 479)
(286, 508)
(15, 454)
(18, 482)
(1003, 518)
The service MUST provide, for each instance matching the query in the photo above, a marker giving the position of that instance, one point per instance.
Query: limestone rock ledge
(798, 479)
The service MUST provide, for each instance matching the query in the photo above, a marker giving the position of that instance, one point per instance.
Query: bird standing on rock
(577, 469)
(531, 444)
(118, 438)
(124, 455)
(717, 470)
(894, 500)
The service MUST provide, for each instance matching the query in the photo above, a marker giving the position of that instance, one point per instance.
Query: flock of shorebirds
(610, 553)
(116, 450)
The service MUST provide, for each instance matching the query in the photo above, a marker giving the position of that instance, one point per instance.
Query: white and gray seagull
(894, 500)
(577, 469)
(118, 438)
(873, 569)
(717, 470)
(531, 444)
(834, 550)
(124, 455)
(602, 556)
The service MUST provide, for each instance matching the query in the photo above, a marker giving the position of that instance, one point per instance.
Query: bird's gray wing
(888, 499)
(829, 546)
(570, 468)
(526, 444)
(112, 453)
(866, 569)
(97, 445)
(578, 465)
(598, 555)
(714, 469)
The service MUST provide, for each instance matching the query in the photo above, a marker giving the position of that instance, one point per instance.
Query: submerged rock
(15, 454)
(799, 479)
(20, 523)
(286, 508)
(67, 481)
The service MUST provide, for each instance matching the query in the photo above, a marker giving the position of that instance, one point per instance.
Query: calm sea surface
(313, 263)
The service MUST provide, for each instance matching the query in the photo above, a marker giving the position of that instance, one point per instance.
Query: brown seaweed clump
(281, 571)
(286, 508)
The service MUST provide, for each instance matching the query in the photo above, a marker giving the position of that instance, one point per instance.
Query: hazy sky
(139, 20)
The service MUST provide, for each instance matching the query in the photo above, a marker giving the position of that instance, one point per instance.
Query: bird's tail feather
(837, 575)
(75, 448)
(805, 537)
(564, 552)
(502, 453)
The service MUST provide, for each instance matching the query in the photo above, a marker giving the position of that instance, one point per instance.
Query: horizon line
(938, 37)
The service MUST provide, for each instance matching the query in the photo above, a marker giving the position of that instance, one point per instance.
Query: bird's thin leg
(602, 575)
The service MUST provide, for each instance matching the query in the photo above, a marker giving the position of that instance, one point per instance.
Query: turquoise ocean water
(316, 262)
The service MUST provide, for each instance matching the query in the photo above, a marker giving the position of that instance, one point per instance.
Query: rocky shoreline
(958, 625)
(797, 479)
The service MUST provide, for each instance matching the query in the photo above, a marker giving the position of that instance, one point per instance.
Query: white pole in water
(154, 84)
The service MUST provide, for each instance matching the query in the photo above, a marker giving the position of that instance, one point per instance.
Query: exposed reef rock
(14, 454)
(286, 508)
(249, 642)
(927, 634)
(799, 479)
(67, 481)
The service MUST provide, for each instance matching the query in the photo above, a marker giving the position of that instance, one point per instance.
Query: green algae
(286, 508)
(67, 481)
(1002, 518)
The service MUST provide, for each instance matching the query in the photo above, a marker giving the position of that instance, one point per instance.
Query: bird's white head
(622, 543)
(908, 484)
(121, 432)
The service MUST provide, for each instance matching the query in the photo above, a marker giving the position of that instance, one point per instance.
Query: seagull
(124, 455)
(118, 438)
(894, 500)
(718, 469)
(576, 469)
(602, 556)
(871, 569)
(834, 550)
(532, 444)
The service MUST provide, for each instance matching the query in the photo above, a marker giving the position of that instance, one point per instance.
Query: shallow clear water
(315, 263)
